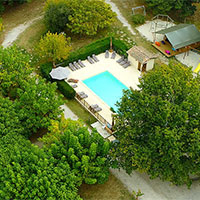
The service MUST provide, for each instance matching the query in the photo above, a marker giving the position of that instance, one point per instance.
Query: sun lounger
(74, 86)
(124, 61)
(76, 65)
(98, 109)
(81, 95)
(95, 58)
(94, 106)
(126, 64)
(107, 54)
(71, 66)
(81, 63)
(113, 55)
(90, 60)
(121, 59)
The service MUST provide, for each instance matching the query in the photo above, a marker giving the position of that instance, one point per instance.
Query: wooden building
(141, 58)
(178, 39)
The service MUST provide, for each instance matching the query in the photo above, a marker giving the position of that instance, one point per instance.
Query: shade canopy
(181, 35)
(59, 73)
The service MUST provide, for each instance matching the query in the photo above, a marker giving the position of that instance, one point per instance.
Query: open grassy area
(18, 14)
(113, 189)
(82, 113)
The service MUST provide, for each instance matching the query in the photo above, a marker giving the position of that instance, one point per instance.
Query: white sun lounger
(81, 63)
(107, 54)
(95, 58)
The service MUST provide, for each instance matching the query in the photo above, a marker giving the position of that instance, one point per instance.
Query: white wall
(150, 64)
(134, 62)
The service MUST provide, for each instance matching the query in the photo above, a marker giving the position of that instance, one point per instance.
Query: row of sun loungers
(92, 59)
(124, 62)
(76, 65)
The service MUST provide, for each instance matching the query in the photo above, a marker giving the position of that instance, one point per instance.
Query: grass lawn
(81, 112)
(113, 189)
(18, 14)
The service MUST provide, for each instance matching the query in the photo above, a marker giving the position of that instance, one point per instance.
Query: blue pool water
(107, 87)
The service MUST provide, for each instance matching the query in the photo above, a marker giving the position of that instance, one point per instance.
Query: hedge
(66, 89)
(96, 47)
(63, 86)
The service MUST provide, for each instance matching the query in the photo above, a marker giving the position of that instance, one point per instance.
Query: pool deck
(128, 77)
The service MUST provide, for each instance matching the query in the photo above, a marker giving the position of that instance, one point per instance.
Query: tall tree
(184, 7)
(9, 119)
(37, 104)
(158, 125)
(86, 153)
(56, 16)
(89, 16)
(15, 67)
(27, 172)
(54, 47)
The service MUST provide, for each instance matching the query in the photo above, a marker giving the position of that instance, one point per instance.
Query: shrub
(45, 70)
(138, 19)
(66, 89)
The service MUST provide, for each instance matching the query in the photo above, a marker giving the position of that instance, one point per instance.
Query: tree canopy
(85, 17)
(54, 47)
(32, 102)
(158, 125)
(184, 8)
(27, 172)
(86, 153)
(56, 16)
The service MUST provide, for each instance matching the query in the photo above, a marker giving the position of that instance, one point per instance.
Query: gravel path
(119, 16)
(12, 35)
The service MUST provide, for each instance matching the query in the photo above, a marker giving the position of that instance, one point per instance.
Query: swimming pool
(107, 87)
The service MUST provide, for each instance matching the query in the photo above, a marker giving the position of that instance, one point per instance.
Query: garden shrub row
(96, 47)
(63, 86)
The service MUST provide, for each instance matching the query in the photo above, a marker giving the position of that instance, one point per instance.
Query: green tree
(15, 67)
(56, 16)
(37, 104)
(9, 119)
(27, 172)
(158, 126)
(184, 7)
(89, 16)
(86, 153)
(53, 47)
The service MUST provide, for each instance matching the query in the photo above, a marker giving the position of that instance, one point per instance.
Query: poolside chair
(81, 95)
(113, 55)
(90, 60)
(81, 63)
(76, 65)
(126, 65)
(74, 86)
(95, 58)
(93, 106)
(124, 61)
(98, 109)
(107, 54)
(71, 66)
(120, 60)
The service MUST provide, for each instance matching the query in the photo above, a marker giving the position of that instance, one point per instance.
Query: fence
(101, 119)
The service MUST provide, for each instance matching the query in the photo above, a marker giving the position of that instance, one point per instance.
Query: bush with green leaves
(87, 154)
(138, 19)
(28, 172)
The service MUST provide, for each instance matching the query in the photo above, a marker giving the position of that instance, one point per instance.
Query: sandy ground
(146, 29)
(12, 35)
(120, 17)
(156, 189)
